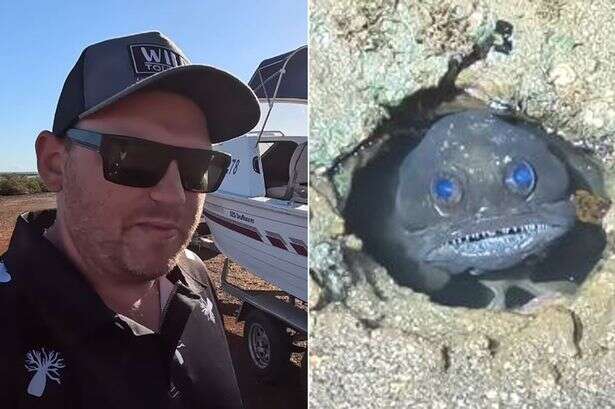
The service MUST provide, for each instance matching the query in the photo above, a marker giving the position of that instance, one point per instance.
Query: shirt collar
(66, 302)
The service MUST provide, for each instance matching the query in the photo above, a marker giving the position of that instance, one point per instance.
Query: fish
(481, 193)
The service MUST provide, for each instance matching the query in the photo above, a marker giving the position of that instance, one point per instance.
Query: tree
(46, 366)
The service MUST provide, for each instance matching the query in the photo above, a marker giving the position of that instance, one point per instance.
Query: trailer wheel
(267, 344)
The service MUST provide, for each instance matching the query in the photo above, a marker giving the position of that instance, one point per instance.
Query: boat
(258, 216)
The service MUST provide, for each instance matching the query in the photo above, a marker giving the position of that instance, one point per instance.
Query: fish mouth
(496, 243)
(499, 242)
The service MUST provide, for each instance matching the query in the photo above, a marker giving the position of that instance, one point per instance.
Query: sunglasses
(135, 162)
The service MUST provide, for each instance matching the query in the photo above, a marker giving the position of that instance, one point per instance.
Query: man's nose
(169, 189)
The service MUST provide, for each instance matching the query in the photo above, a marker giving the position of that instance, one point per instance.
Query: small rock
(562, 75)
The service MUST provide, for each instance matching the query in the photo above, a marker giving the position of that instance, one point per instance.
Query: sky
(41, 41)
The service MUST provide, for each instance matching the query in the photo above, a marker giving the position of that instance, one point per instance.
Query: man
(101, 304)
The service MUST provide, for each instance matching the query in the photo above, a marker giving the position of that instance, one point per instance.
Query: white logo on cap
(5, 277)
(149, 59)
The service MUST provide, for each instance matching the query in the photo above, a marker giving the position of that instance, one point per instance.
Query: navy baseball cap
(113, 69)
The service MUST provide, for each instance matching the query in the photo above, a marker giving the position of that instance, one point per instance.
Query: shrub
(21, 185)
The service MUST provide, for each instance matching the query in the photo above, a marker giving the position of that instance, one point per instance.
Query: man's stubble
(102, 243)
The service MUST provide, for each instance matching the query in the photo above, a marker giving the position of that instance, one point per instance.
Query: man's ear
(51, 154)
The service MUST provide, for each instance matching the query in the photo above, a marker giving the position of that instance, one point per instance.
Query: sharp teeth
(475, 242)
(478, 236)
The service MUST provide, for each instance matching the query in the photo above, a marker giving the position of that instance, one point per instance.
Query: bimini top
(283, 77)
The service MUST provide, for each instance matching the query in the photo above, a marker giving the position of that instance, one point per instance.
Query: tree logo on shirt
(46, 365)
(207, 307)
(5, 277)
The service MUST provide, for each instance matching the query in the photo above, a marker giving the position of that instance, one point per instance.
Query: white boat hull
(266, 236)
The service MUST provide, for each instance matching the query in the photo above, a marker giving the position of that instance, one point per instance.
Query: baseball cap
(113, 69)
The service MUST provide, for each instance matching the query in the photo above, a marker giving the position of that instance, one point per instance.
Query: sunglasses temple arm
(87, 139)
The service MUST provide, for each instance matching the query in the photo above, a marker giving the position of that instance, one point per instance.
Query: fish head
(480, 193)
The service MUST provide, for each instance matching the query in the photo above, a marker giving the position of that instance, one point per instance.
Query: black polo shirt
(61, 347)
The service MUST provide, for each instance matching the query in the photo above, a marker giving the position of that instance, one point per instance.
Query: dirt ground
(256, 394)
(12, 206)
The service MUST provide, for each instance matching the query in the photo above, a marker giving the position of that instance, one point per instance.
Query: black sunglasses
(138, 162)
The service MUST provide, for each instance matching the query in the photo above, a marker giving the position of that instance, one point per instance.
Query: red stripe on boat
(233, 226)
(301, 250)
(277, 242)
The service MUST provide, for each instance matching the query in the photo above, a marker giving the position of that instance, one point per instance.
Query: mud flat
(388, 346)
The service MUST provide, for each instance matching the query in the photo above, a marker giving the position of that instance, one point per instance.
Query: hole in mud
(476, 207)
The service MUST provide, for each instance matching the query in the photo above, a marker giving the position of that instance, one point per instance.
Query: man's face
(133, 233)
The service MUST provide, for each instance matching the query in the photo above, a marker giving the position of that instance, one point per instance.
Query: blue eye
(520, 177)
(446, 190)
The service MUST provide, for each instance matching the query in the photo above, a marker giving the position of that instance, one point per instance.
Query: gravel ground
(13, 206)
